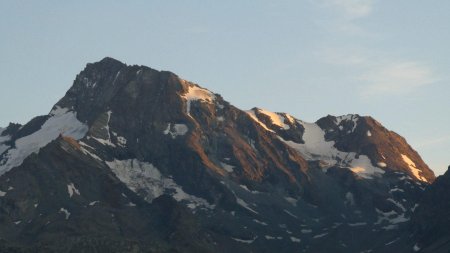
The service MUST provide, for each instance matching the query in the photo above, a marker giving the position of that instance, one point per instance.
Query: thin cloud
(348, 9)
(397, 78)
(347, 13)
(353, 9)
(377, 73)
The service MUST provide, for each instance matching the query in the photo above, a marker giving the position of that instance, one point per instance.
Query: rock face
(431, 221)
(136, 160)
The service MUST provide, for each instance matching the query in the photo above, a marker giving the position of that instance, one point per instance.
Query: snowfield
(316, 148)
(144, 177)
(61, 122)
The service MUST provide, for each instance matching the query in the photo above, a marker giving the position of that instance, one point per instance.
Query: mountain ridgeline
(137, 160)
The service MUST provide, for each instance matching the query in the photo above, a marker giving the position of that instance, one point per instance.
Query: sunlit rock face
(136, 159)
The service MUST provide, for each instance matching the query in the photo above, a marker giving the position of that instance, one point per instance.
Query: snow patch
(369, 134)
(399, 219)
(108, 140)
(295, 239)
(391, 217)
(71, 190)
(396, 189)
(390, 227)
(61, 122)
(350, 200)
(115, 78)
(83, 147)
(247, 189)
(260, 222)
(67, 213)
(58, 111)
(2, 194)
(195, 93)
(382, 164)
(244, 240)
(176, 130)
(228, 168)
(413, 168)
(93, 203)
(252, 115)
(391, 242)
(290, 118)
(292, 201)
(363, 167)
(357, 224)
(122, 141)
(244, 204)
(144, 178)
(276, 118)
(320, 235)
(399, 205)
(290, 214)
(348, 117)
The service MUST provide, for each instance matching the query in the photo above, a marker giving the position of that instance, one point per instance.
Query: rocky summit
(133, 159)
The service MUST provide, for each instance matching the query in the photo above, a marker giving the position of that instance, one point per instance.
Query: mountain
(137, 160)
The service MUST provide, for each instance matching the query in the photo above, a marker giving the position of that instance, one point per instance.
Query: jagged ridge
(248, 181)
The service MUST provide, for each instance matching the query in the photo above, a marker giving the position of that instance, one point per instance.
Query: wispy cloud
(376, 71)
(346, 14)
(399, 77)
(353, 9)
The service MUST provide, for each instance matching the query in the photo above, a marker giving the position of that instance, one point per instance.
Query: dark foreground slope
(432, 218)
(136, 160)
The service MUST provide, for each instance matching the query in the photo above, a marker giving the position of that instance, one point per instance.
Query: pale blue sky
(387, 59)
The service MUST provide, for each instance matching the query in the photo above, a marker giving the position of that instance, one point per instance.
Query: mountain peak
(109, 60)
(124, 138)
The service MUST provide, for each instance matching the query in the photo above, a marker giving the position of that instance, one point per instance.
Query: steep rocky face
(64, 194)
(431, 221)
(153, 162)
(361, 143)
(386, 149)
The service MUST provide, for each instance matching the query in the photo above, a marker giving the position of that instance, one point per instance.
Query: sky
(310, 58)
